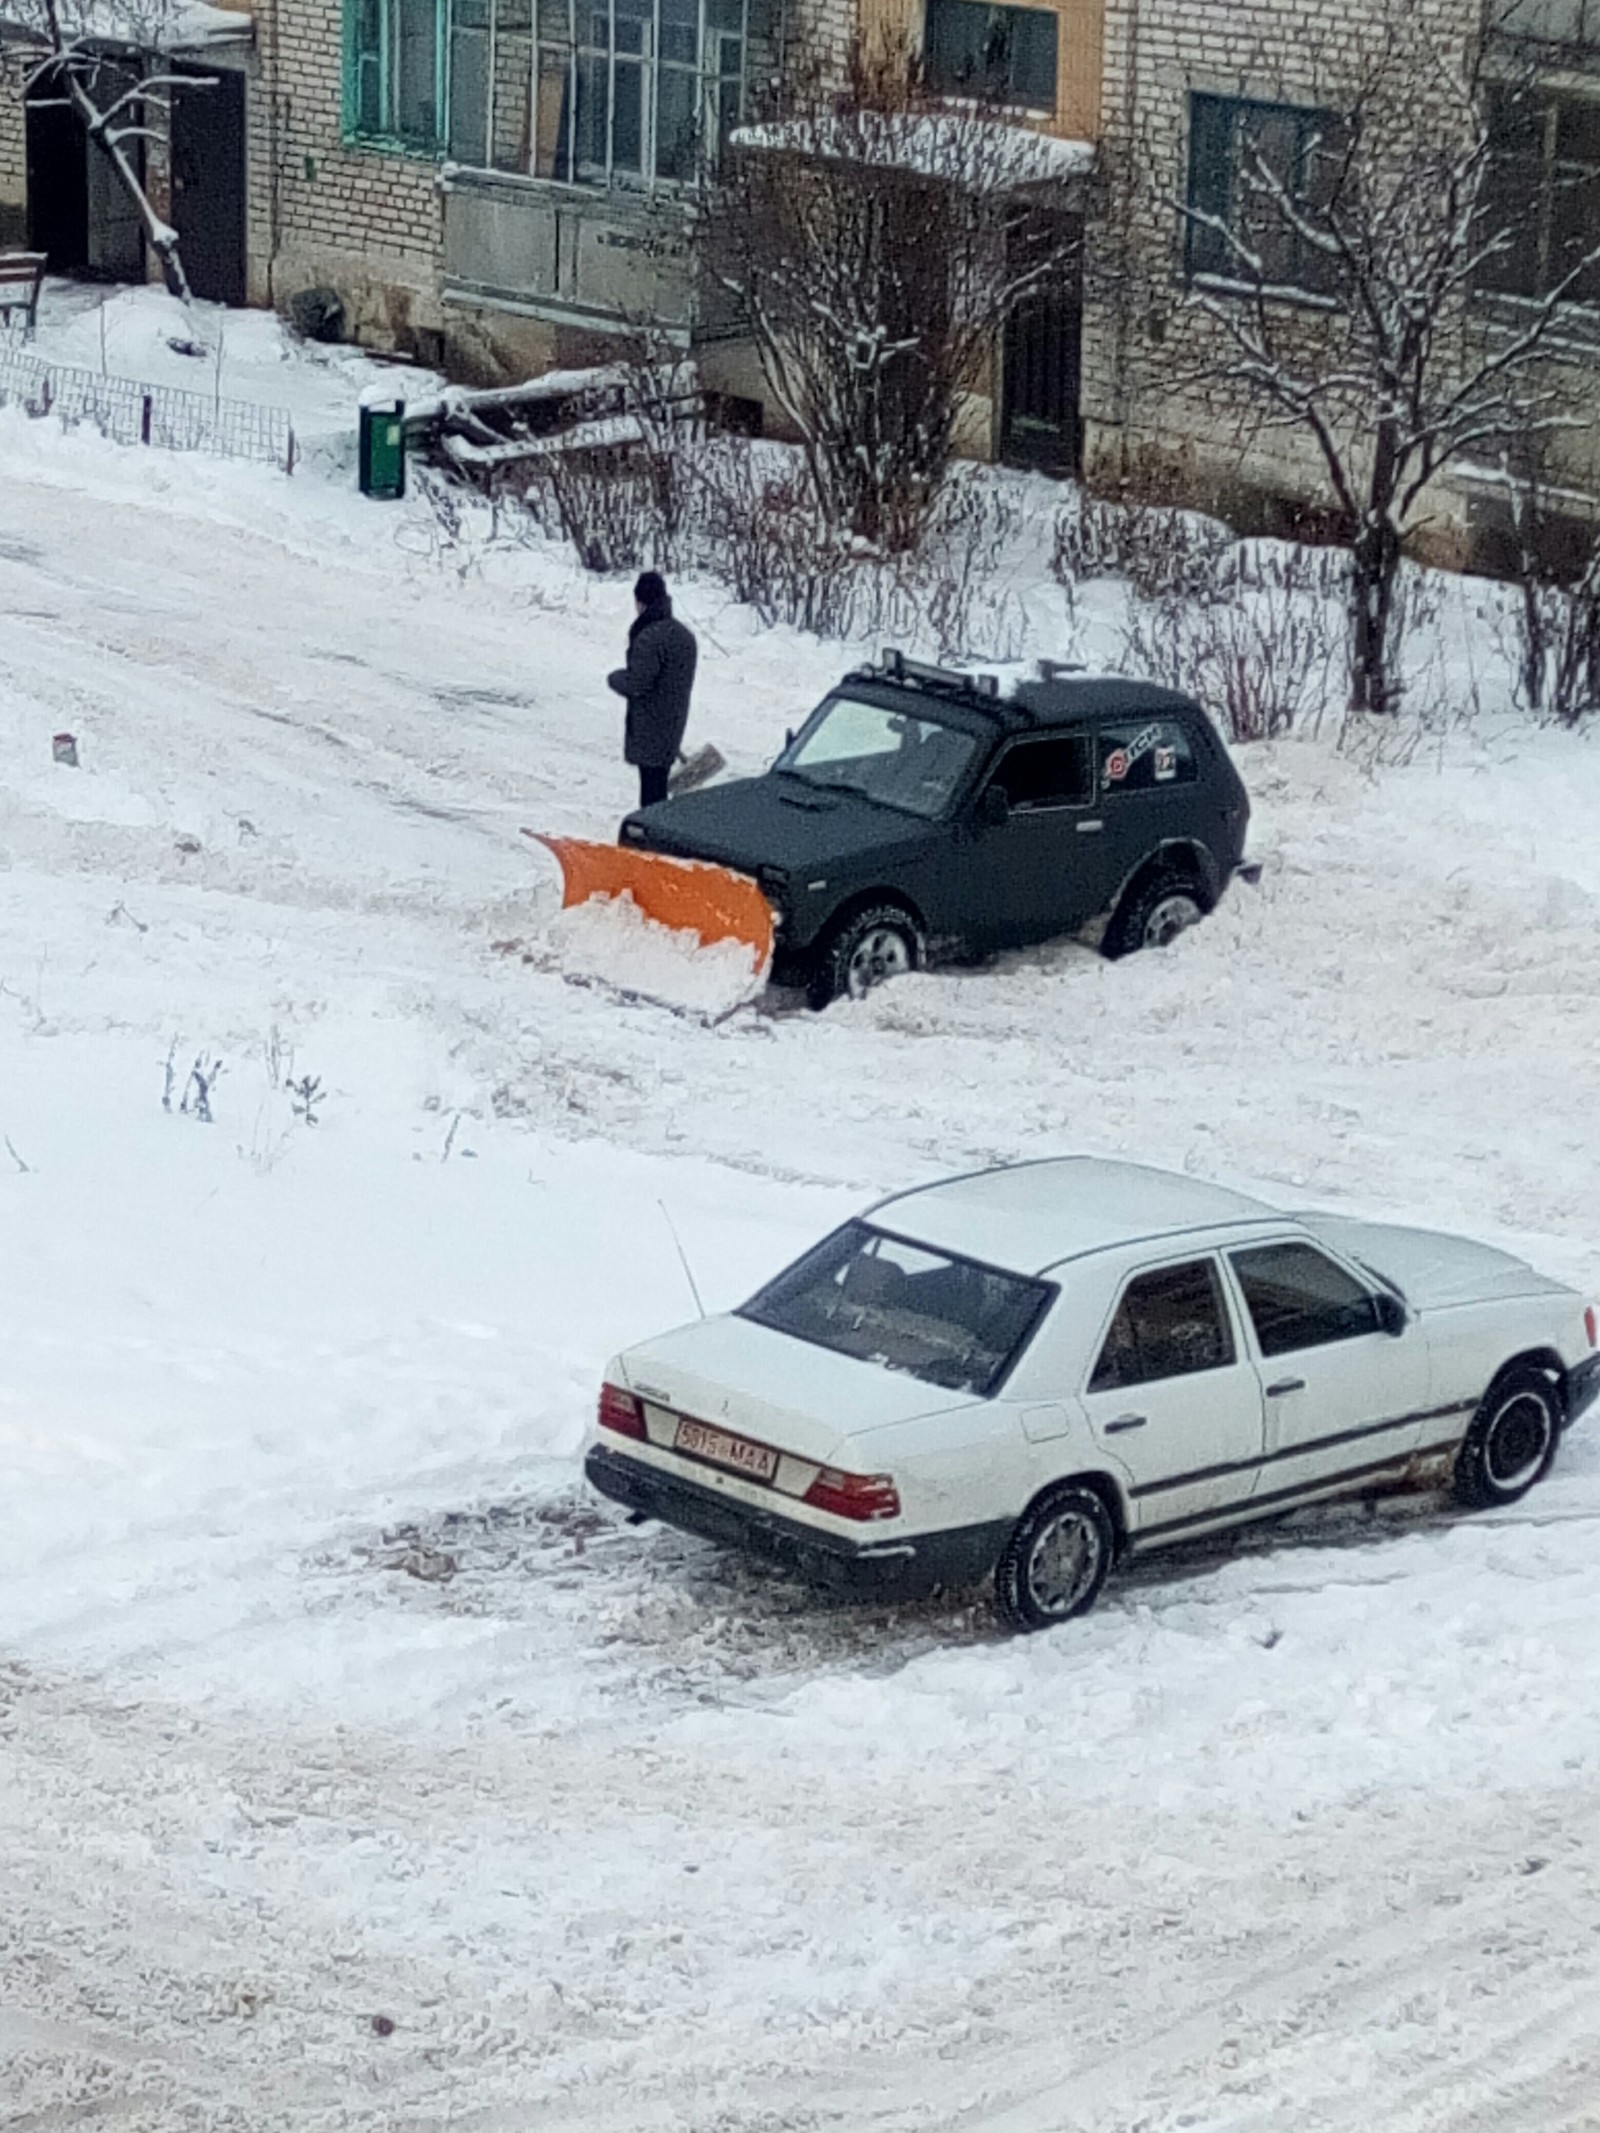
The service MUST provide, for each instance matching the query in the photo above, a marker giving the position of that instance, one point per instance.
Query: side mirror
(994, 809)
(788, 736)
(1392, 1313)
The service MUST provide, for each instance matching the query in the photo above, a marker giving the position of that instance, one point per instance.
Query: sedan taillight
(854, 1495)
(621, 1413)
(1591, 1327)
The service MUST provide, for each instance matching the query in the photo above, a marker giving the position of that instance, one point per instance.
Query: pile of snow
(963, 148)
(138, 333)
(609, 939)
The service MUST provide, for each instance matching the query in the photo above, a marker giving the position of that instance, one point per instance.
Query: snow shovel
(692, 771)
(687, 896)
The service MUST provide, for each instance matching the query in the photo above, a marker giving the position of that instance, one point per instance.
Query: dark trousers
(652, 783)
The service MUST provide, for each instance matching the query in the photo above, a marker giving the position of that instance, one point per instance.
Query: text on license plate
(759, 1461)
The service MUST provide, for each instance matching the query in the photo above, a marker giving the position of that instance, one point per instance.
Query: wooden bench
(21, 278)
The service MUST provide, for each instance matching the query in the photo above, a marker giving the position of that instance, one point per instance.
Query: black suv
(918, 814)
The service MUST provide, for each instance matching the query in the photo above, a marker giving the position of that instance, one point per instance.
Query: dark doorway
(1041, 373)
(80, 214)
(58, 182)
(208, 185)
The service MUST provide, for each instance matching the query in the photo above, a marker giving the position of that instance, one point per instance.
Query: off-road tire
(1512, 1439)
(1059, 1555)
(851, 941)
(1151, 913)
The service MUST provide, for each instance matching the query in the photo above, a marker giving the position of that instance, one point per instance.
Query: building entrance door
(1041, 372)
(208, 184)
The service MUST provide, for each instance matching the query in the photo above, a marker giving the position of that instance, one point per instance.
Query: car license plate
(758, 1462)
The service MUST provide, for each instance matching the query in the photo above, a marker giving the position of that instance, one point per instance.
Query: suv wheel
(1056, 1560)
(1154, 912)
(1512, 1439)
(864, 952)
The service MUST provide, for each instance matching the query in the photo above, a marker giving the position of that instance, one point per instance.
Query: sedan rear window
(864, 1293)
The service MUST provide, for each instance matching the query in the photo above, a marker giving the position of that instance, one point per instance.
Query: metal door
(1041, 376)
(208, 184)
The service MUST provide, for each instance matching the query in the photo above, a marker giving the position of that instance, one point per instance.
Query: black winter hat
(651, 588)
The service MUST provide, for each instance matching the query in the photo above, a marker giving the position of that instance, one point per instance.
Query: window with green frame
(395, 72)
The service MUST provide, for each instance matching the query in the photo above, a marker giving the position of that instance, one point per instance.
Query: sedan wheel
(1056, 1560)
(1512, 1439)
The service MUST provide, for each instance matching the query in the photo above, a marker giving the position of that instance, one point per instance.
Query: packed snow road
(357, 1773)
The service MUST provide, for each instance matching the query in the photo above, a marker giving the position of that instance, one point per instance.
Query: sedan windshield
(864, 1293)
(890, 756)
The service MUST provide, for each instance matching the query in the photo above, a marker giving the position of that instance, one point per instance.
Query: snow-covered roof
(142, 25)
(1030, 1216)
(960, 146)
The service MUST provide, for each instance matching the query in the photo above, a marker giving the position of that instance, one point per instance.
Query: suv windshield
(864, 1293)
(891, 756)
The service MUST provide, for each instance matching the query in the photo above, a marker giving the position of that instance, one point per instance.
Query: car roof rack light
(944, 681)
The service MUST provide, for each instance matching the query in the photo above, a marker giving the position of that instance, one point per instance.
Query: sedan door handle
(1285, 1385)
(1126, 1422)
(1087, 829)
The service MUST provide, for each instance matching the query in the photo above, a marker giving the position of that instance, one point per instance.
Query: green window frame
(396, 73)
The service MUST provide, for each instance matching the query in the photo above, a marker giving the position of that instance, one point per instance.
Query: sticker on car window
(1166, 763)
(1121, 760)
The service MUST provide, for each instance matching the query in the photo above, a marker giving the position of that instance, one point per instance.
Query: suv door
(1174, 1399)
(1149, 770)
(1039, 871)
(1344, 1398)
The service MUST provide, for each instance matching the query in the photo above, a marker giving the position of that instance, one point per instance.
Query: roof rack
(940, 681)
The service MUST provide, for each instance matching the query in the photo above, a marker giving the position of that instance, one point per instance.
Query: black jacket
(656, 681)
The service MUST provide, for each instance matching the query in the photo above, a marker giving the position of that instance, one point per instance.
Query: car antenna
(683, 1258)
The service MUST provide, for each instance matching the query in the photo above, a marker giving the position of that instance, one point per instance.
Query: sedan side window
(1169, 1324)
(1299, 1299)
(1041, 774)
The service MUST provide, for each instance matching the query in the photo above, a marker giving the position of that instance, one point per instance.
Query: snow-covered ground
(355, 1771)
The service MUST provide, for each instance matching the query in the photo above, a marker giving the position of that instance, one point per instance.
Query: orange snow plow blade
(689, 895)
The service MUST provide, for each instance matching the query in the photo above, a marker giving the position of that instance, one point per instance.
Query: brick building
(501, 185)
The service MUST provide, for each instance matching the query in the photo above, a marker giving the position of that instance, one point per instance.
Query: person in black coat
(656, 682)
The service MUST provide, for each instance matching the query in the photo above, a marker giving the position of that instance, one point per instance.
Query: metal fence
(129, 412)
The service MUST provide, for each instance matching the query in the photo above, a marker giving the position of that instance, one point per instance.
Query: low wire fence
(129, 412)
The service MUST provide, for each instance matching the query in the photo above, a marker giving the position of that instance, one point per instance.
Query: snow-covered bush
(1263, 650)
(1160, 551)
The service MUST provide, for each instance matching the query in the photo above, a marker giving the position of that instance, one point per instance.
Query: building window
(1541, 197)
(395, 72)
(635, 92)
(1548, 22)
(1246, 160)
(1003, 54)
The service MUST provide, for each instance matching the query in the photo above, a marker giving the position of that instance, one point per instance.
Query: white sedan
(1031, 1371)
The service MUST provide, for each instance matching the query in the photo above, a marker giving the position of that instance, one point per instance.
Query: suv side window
(1140, 754)
(1169, 1324)
(1040, 774)
(1299, 1299)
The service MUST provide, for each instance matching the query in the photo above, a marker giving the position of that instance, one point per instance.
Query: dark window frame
(1207, 1262)
(1083, 738)
(1218, 146)
(993, 51)
(1533, 185)
(1270, 1345)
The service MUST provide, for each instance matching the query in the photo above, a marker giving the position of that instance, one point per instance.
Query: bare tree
(1345, 283)
(109, 62)
(876, 241)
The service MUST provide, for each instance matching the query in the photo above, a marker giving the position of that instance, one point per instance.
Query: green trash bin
(381, 461)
